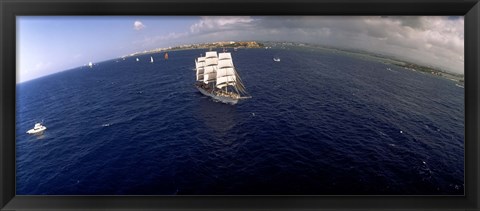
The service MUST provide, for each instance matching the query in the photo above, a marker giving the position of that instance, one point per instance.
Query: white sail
(200, 77)
(211, 54)
(90, 64)
(210, 74)
(225, 63)
(211, 58)
(210, 69)
(225, 77)
(151, 59)
(225, 72)
(224, 56)
(205, 78)
(222, 72)
(200, 70)
(209, 77)
(199, 64)
(225, 81)
(211, 61)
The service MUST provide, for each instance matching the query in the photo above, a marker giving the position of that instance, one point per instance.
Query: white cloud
(220, 23)
(428, 40)
(172, 35)
(137, 25)
(162, 39)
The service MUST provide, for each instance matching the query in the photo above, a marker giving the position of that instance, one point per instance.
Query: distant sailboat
(138, 60)
(166, 56)
(90, 64)
(151, 59)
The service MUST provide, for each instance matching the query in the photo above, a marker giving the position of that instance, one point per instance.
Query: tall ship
(217, 78)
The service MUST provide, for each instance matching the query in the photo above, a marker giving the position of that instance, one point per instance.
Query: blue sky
(49, 44)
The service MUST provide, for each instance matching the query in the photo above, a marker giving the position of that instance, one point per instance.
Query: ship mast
(227, 75)
(200, 67)
(225, 71)
(210, 69)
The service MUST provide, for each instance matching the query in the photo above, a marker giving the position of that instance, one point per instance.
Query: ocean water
(320, 122)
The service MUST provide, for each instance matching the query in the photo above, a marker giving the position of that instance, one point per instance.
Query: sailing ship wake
(217, 78)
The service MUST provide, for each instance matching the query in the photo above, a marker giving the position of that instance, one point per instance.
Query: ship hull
(223, 99)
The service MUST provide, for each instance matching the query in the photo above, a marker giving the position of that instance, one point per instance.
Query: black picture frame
(9, 9)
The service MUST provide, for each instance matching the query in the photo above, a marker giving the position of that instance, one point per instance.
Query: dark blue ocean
(320, 122)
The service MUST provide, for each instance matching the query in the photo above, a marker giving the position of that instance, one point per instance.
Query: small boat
(276, 59)
(90, 64)
(39, 128)
(458, 85)
(138, 60)
(151, 59)
(166, 56)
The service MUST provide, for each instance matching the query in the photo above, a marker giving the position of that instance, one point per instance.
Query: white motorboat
(39, 128)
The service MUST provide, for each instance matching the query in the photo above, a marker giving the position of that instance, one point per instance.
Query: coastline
(458, 78)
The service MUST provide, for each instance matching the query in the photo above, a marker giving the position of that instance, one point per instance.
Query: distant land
(223, 44)
(459, 78)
